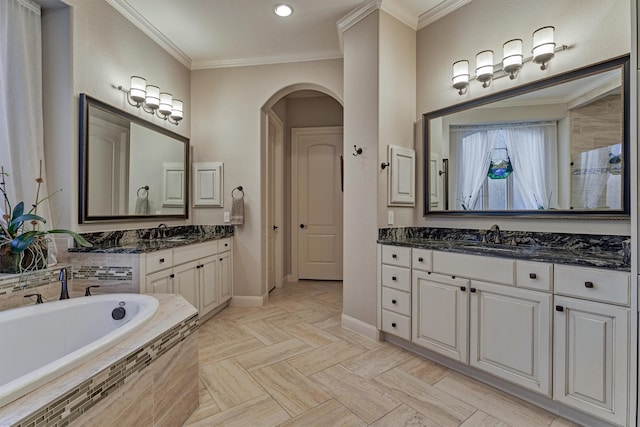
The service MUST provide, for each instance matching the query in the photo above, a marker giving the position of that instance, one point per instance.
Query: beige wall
(227, 108)
(100, 48)
(594, 30)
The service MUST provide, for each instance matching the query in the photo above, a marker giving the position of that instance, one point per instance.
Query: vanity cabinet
(591, 341)
(201, 273)
(396, 291)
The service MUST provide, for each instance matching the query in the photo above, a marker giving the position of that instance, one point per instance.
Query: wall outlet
(227, 218)
(389, 217)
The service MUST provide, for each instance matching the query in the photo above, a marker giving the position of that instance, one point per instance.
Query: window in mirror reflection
(511, 166)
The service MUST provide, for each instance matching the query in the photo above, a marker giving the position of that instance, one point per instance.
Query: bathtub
(38, 343)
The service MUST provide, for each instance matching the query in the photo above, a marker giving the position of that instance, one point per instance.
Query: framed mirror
(558, 146)
(130, 169)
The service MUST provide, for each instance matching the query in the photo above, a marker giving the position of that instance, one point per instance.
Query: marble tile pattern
(122, 371)
(590, 250)
(290, 363)
(151, 239)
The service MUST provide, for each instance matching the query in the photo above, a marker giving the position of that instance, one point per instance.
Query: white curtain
(533, 153)
(594, 168)
(21, 126)
(474, 152)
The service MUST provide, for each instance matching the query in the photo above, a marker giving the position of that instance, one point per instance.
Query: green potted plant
(22, 249)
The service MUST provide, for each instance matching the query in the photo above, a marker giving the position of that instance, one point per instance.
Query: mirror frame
(83, 215)
(621, 62)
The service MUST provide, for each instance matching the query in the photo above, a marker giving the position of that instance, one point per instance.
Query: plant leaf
(22, 242)
(18, 210)
(17, 222)
(78, 238)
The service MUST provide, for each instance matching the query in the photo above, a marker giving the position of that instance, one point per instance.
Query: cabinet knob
(393, 325)
(394, 256)
(559, 308)
(420, 259)
(588, 285)
(532, 276)
(393, 301)
(472, 290)
(220, 259)
(172, 276)
(463, 288)
(393, 278)
(161, 260)
(226, 244)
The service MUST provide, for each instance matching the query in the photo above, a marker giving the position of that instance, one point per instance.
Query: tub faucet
(497, 239)
(64, 292)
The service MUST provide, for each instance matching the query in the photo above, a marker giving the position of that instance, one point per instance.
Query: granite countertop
(142, 246)
(568, 256)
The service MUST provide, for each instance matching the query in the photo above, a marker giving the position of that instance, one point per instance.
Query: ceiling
(223, 33)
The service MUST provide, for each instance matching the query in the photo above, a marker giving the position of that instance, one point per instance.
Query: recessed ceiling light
(283, 10)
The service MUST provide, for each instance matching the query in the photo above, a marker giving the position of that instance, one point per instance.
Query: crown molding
(130, 13)
(246, 62)
(439, 11)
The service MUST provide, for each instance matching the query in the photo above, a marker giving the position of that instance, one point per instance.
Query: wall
(594, 30)
(227, 105)
(94, 47)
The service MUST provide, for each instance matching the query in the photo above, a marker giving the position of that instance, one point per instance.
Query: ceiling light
(283, 10)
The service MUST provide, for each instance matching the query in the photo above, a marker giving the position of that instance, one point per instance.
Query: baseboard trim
(360, 327)
(241, 301)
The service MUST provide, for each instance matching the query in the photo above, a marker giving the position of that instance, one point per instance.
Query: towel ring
(238, 188)
(145, 188)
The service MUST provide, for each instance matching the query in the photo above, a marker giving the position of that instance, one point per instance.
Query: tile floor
(290, 363)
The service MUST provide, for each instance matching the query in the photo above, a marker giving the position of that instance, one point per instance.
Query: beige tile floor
(290, 363)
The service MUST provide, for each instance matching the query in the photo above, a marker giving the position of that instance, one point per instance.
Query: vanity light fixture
(283, 10)
(151, 100)
(484, 67)
(544, 49)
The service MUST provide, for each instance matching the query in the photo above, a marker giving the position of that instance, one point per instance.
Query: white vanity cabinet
(395, 292)
(201, 273)
(591, 341)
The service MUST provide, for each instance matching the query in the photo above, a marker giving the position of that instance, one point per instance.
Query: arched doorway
(298, 106)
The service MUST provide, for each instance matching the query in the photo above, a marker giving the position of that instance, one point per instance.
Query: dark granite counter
(153, 239)
(609, 252)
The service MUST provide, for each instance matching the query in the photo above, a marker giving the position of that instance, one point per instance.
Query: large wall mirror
(558, 146)
(130, 169)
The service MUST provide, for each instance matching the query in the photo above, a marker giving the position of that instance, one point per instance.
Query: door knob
(302, 226)
(275, 227)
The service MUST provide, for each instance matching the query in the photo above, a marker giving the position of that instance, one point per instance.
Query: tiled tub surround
(610, 252)
(109, 263)
(151, 378)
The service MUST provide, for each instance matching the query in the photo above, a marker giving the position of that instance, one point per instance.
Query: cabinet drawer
(396, 277)
(192, 252)
(395, 300)
(421, 259)
(224, 244)
(396, 255)
(488, 269)
(156, 261)
(593, 284)
(534, 275)
(396, 324)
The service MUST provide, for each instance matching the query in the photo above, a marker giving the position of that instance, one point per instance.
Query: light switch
(390, 218)
(226, 217)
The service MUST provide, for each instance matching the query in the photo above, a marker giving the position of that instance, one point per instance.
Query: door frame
(275, 196)
(294, 194)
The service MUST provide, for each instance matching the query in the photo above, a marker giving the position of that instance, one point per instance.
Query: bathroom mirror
(558, 146)
(130, 169)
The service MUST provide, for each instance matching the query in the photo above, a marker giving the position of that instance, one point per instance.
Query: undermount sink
(483, 248)
(174, 239)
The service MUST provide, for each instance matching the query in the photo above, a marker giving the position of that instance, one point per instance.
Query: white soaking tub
(38, 343)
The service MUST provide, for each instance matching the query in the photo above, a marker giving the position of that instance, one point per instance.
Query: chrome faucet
(162, 230)
(497, 239)
(64, 292)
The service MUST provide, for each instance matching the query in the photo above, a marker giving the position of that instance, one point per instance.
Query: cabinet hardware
(301, 225)
(161, 260)
(533, 276)
(393, 278)
(226, 244)
(559, 308)
(420, 259)
(472, 290)
(428, 272)
(393, 325)
(453, 277)
(171, 276)
(393, 301)
(220, 259)
(394, 256)
(588, 285)
(463, 288)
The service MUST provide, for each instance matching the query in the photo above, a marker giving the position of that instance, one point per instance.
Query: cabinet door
(440, 314)
(225, 276)
(185, 282)
(591, 357)
(208, 278)
(159, 283)
(510, 334)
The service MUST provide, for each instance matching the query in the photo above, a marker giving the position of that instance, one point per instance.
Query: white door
(225, 281)
(208, 282)
(441, 314)
(274, 201)
(510, 334)
(317, 200)
(590, 357)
